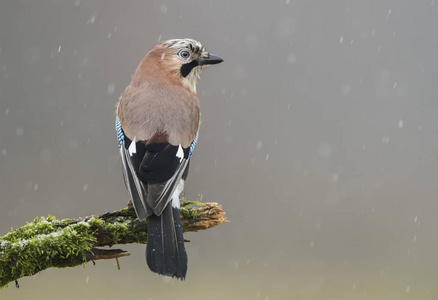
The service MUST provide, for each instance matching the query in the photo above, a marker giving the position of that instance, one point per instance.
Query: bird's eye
(184, 54)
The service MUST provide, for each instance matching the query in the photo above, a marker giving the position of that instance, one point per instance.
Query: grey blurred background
(319, 137)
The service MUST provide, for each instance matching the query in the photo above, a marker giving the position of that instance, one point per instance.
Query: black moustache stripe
(188, 67)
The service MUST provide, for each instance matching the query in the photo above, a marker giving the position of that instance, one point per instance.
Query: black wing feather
(152, 173)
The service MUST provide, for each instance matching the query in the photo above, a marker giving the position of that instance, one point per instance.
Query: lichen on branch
(47, 242)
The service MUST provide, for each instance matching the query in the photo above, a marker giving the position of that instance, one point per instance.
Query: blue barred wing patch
(120, 135)
(192, 146)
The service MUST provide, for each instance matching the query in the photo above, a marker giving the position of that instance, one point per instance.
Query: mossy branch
(48, 242)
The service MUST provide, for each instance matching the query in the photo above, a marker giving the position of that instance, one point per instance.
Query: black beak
(211, 59)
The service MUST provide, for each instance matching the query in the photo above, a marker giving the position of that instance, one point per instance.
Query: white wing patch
(132, 148)
(180, 153)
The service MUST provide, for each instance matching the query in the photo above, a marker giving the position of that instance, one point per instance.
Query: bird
(157, 124)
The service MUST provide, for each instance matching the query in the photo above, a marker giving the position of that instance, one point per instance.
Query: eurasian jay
(157, 123)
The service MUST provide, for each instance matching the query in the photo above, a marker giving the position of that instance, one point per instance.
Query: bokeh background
(319, 137)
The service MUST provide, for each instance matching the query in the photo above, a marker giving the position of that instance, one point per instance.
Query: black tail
(165, 251)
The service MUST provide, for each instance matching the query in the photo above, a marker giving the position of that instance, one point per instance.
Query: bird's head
(179, 60)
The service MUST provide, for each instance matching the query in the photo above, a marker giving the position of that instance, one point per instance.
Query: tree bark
(48, 242)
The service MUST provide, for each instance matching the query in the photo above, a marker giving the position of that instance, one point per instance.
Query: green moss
(42, 244)
(188, 203)
(187, 209)
(48, 242)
